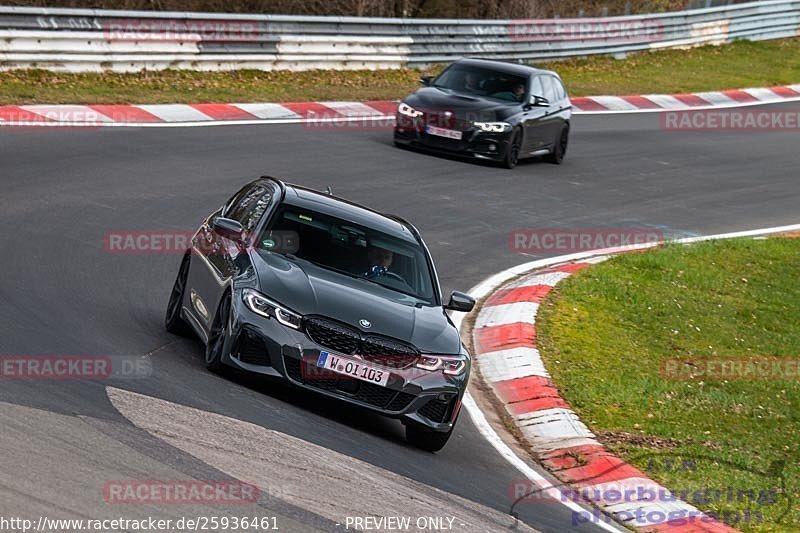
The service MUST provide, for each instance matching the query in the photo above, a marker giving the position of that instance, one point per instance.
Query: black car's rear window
(350, 249)
(467, 79)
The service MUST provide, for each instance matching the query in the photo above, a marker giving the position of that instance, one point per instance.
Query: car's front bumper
(263, 346)
(473, 142)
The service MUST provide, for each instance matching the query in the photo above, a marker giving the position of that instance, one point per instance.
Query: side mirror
(460, 302)
(228, 228)
(426, 80)
(539, 101)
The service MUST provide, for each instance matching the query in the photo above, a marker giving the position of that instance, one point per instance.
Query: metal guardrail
(93, 40)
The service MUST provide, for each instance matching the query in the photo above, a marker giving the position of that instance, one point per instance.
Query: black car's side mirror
(539, 101)
(228, 228)
(460, 302)
(426, 80)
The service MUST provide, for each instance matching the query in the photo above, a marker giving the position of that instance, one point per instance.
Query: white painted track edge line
(696, 108)
(493, 282)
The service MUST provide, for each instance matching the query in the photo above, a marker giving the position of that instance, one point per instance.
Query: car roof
(328, 204)
(503, 66)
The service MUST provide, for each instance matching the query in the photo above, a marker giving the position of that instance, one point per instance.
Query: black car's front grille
(436, 410)
(346, 340)
(332, 335)
(443, 120)
(250, 349)
(388, 352)
(367, 393)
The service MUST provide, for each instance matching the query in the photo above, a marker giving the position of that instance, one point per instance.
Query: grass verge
(730, 447)
(708, 68)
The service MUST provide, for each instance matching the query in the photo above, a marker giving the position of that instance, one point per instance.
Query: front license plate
(353, 368)
(443, 132)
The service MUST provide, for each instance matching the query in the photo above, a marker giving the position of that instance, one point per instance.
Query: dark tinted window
(350, 249)
(467, 79)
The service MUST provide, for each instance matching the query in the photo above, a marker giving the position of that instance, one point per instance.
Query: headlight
(407, 110)
(452, 366)
(496, 127)
(261, 305)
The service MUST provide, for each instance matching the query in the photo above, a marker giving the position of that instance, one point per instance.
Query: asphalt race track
(62, 293)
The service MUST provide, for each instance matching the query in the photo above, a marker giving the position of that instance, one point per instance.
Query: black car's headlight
(450, 365)
(495, 127)
(407, 110)
(261, 305)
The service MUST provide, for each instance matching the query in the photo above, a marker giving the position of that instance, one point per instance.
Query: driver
(519, 92)
(380, 259)
(471, 82)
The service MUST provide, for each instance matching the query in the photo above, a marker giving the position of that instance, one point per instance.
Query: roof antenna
(329, 191)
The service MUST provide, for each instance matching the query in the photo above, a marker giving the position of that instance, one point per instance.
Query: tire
(218, 337)
(559, 147)
(511, 157)
(173, 321)
(426, 439)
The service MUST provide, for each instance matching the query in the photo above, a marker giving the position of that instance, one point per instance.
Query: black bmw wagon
(489, 110)
(331, 296)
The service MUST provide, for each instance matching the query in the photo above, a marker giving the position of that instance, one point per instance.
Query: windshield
(482, 82)
(350, 249)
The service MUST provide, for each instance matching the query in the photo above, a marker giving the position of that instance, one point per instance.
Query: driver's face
(380, 257)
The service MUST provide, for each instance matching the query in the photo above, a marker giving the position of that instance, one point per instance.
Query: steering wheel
(396, 276)
(383, 273)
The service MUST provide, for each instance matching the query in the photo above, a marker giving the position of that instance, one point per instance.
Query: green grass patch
(738, 65)
(605, 332)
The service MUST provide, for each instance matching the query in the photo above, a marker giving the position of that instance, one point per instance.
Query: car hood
(465, 107)
(308, 289)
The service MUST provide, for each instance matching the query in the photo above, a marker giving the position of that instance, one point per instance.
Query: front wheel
(218, 337)
(426, 439)
(512, 152)
(173, 321)
(559, 147)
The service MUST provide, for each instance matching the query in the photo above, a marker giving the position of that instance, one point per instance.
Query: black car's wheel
(173, 320)
(512, 152)
(218, 337)
(559, 147)
(427, 439)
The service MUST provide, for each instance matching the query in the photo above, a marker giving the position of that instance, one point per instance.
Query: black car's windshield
(347, 248)
(487, 83)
